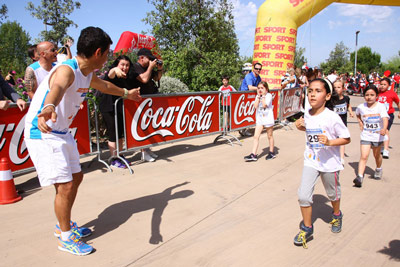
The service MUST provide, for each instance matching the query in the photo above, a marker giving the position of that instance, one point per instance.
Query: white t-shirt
(372, 120)
(332, 77)
(316, 155)
(265, 116)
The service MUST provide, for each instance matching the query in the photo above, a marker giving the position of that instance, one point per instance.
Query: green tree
(299, 57)
(197, 40)
(338, 59)
(393, 64)
(3, 12)
(14, 42)
(54, 13)
(366, 60)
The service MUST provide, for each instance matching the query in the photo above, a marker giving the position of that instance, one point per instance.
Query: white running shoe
(378, 174)
(385, 154)
(146, 157)
(151, 153)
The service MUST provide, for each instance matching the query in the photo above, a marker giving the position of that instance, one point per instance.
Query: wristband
(125, 93)
(49, 105)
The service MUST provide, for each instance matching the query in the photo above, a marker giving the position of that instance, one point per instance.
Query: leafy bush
(169, 85)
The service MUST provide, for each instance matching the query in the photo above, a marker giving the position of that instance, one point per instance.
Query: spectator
(146, 71)
(289, 80)
(10, 93)
(303, 79)
(117, 75)
(32, 53)
(64, 52)
(304, 67)
(252, 79)
(10, 77)
(36, 72)
(332, 77)
(226, 88)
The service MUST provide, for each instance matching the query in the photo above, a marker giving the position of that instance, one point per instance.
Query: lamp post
(355, 58)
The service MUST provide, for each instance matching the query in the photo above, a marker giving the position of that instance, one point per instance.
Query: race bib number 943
(372, 124)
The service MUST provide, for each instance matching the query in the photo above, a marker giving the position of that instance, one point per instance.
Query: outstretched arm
(111, 89)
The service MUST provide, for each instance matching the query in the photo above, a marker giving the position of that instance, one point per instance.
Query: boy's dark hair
(386, 79)
(258, 63)
(329, 89)
(226, 77)
(31, 51)
(371, 87)
(90, 39)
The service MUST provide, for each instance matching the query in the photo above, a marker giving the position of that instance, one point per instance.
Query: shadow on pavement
(393, 250)
(117, 214)
(368, 169)
(321, 209)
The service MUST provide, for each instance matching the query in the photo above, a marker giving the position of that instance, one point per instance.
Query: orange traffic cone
(8, 193)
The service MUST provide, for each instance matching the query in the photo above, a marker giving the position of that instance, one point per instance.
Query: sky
(378, 25)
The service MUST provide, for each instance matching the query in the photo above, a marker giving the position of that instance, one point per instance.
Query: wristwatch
(125, 93)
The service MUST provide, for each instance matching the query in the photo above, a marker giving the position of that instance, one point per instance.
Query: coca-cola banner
(159, 119)
(12, 145)
(291, 102)
(243, 112)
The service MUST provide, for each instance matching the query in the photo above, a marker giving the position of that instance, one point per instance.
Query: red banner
(243, 112)
(12, 145)
(164, 118)
(291, 102)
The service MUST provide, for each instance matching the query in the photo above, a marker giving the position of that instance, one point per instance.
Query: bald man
(36, 72)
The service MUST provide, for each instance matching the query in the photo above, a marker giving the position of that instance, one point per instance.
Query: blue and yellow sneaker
(74, 245)
(304, 235)
(337, 221)
(79, 231)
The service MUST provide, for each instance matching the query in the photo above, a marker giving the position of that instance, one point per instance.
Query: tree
(54, 13)
(197, 40)
(367, 60)
(3, 12)
(299, 57)
(338, 59)
(393, 64)
(14, 42)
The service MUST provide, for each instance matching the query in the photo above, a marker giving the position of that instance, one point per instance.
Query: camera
(159, 62)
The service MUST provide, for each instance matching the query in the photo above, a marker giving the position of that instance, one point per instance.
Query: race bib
(372, 124)
(341, 109)
(312, 138)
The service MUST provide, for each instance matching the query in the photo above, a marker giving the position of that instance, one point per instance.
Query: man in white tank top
(37, 71)
(51, 146)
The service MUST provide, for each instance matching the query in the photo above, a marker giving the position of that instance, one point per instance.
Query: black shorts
(391, 118)
(109, 120)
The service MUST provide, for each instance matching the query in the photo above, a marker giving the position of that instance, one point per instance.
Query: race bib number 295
(312, 138)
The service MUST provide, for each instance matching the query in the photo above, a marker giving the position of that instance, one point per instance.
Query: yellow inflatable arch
(276, 31)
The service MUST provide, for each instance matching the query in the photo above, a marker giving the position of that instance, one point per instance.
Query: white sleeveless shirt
(66, 109)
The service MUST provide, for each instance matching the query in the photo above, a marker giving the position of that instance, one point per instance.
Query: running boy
(341, 108)
(325, 132)
(373, 120)
(51, 147)
(387, 97)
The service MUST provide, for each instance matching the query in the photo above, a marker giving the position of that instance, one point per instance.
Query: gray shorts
(374, 144)
(308, 181)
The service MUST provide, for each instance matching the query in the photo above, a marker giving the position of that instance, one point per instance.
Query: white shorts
(55, 158)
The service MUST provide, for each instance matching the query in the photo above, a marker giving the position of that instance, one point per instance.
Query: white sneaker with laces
(378, 173)
(146, 157)
(385, 154)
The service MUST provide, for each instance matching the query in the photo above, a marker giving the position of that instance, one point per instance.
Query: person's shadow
(117, 214)
(320, 208)
(393, 250)
(368, 170)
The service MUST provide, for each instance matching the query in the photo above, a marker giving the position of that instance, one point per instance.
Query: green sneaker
(337, 221)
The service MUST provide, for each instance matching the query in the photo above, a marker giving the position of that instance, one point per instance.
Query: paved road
(200, 204)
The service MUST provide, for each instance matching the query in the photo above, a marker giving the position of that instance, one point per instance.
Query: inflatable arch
(130, 40)
(276, 32)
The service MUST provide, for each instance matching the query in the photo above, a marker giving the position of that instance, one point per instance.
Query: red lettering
(273, 64)
(283, 56)
(262, 55)
(275, 29)
(291, 48)
(258, 29)
(266, 38)
(287, 39)
(293, 31)
(290, 65)
(264, 72)
(296, 2)
(279, 72)
(273, 47)
(272, 80)
(257, 46)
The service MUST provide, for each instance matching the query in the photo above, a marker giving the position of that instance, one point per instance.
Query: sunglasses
(257, 68)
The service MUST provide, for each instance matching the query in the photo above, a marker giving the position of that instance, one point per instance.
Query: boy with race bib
(325, 132)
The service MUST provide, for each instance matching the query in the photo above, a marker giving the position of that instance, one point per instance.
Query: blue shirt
(250, 79)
